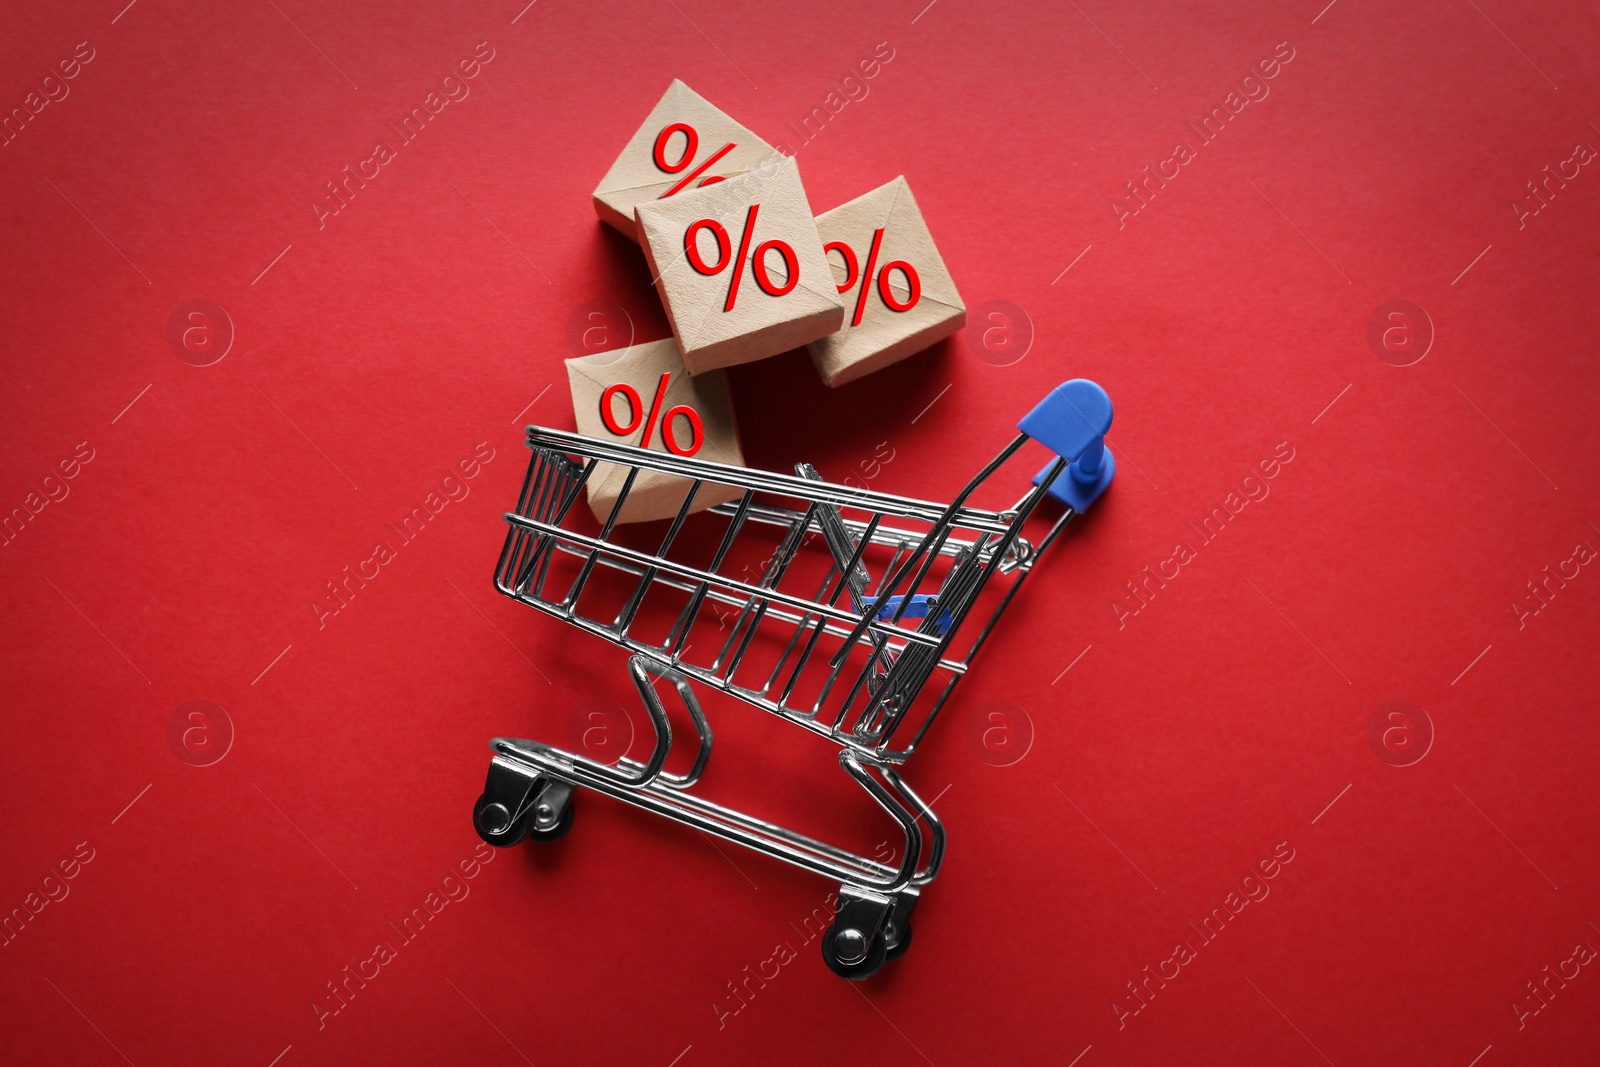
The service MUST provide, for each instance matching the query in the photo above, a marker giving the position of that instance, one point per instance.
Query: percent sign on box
(758, 263)
(701, 243)
(697, 430)
(662, 158)
(687, 415)
(916, 311)
(853, 273)
(691, 145)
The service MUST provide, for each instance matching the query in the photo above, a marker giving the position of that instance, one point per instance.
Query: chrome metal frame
(864, 651)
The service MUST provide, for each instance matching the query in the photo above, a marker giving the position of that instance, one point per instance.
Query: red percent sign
(758, 262)
(697, 430)
(853, 273)
(691, 145)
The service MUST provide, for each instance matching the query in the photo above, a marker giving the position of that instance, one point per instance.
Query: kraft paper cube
(654, 495)
(636, 177)
(884, 335)
(772, 312)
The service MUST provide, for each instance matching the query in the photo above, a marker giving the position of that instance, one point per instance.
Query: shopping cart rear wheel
(849, 954)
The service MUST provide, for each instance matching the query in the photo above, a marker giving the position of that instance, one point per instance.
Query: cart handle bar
(782, 484)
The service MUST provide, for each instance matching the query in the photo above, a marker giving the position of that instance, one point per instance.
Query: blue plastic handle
(1072, 422)
(917, 609)
(1074, 417)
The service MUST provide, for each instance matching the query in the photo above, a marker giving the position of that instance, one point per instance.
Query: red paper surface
(1226, 724)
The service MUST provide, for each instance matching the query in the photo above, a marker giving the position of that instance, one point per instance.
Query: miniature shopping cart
(833, 607)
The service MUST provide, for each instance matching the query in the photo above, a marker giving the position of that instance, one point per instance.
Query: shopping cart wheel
(850, 954)
(897, 938)
(897, 930)
(497, 824)
(518, 802)
(857, 943)
(548, 823)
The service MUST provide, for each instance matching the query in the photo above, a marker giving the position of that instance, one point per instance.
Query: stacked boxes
(745, 271)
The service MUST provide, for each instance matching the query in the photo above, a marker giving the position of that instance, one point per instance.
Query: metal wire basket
(848, 612)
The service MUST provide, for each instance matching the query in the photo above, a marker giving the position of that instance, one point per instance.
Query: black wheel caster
(502, 826)
(499, 825)
(849, 954)
(899, 937)
(558, 825)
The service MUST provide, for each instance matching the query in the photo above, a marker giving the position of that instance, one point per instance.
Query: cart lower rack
(848, 612)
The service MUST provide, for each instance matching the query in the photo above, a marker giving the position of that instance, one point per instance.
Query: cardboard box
(655, 494)
(735, 243)
(886, 317)
(641, 174)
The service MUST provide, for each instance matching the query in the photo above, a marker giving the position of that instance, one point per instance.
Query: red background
(1177, 752)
